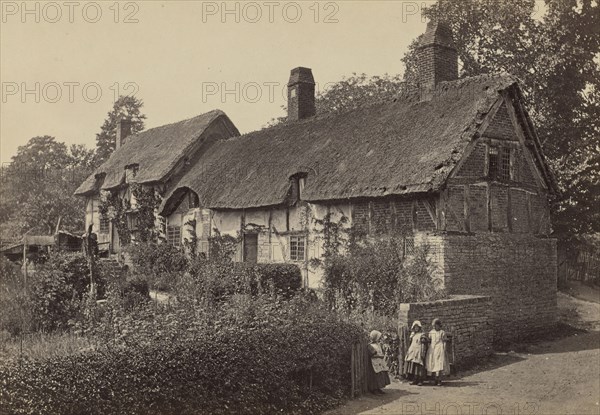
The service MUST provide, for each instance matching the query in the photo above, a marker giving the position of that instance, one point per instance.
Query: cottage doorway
(251, 247)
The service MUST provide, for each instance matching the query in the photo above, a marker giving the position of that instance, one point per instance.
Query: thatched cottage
(456, 162)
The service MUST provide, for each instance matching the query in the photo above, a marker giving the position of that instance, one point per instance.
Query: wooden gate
(358, 368)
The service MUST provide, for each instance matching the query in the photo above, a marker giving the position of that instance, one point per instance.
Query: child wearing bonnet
(378, 371)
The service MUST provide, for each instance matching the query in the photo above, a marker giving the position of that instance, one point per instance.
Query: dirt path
(557, 377)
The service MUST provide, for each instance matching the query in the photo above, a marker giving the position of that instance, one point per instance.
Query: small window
(505, 164)
(293, 93)
(104, 224)
(174, 235)
(297, 248)
(409, 246)
(193, 200)
(301, 184)
(131, 171)
(499, 163)
(132, 221)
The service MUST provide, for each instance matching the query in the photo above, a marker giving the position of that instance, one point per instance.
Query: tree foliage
(37, 188)
(124, 107)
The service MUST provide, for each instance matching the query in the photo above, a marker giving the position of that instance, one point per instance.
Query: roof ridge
(216, 110)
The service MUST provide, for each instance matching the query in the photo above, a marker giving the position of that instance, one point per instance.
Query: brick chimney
(437, 58)
(301, 94)
(123, 130)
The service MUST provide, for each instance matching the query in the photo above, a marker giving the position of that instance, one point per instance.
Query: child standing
(378, 370)
(436, 361)
(415, 357)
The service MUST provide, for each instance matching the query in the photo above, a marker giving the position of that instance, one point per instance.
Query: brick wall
(474, 164)
(436, 64)
(381, 216)
(478, 208)
(518, 272)
(303, 105)
(455, 208)
(519, 210)
(361, 217)
(498, 207)
(501, 126)
(523, 169)
(467, 318)
(387, 216)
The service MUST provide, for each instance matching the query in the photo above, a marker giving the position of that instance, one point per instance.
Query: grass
(41, 345)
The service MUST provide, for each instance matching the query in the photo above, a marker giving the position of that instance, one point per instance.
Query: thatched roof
(156, 152)
(392, 148)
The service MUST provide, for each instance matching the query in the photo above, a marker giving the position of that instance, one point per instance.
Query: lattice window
(297, 248)
(499, 163)
(174, 235)
(132, 221)
(504, 173)
(409, 246)
(493, 162)
(104, 224)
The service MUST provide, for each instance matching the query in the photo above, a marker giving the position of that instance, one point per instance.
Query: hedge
(289, 357)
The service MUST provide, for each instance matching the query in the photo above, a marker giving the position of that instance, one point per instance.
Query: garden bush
(283, 279)
(58, 288)
(160, 264)
(52, 296)
(215, 281)
(251, 356)
(373, 273)
(15, 304)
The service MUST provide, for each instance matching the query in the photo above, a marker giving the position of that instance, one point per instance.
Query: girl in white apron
(436, 361)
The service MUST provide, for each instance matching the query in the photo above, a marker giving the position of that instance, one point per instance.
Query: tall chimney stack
(437, 58)
(123, 131)
(301, 94)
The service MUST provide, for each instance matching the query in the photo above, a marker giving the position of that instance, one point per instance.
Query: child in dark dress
(378, 371)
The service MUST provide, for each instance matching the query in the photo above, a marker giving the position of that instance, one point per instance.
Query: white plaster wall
(315, 242)
(273, 242)
(227, 222)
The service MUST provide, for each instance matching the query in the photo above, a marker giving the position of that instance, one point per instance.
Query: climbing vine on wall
(116, 208)
(366, 273)
(148, 200)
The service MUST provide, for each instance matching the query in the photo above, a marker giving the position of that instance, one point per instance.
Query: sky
(63, 63)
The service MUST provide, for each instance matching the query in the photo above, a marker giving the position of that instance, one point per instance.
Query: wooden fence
(358, 368)
(583, 266)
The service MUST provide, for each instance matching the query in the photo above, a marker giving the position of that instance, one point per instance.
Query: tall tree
(37, 188)
(125, 106)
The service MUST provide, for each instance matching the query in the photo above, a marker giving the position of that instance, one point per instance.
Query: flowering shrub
(249, 356)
